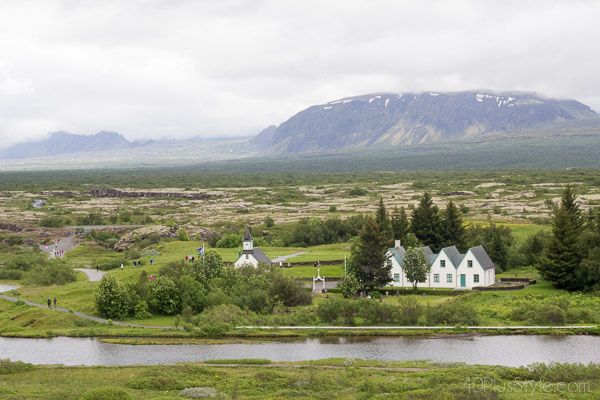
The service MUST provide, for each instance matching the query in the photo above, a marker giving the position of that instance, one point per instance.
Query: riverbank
(341, 378)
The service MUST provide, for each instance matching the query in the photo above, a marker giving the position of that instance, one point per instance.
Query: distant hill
(390, 119)
(64, 143)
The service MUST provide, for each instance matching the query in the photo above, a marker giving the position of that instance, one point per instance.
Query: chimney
(397, 243)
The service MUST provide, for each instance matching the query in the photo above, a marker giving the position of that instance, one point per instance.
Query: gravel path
(82, 315)
(66, 244)
(284, 258)
(91, 274)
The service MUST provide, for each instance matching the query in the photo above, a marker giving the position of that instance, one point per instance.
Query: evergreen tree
(400, 224)
(383, 220)
(367, 259)
(563, 253)
(416, 266)
(426, 223)
(453, 230)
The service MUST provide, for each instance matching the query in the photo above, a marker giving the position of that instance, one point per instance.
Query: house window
(470, 263)
(389, 262)
(396, 277)
(449, 278)
(436, 277)
(442, 263)
(476, 278)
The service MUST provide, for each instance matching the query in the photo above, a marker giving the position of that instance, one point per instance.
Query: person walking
(55, 302)
(121, 267)
(152, 261)
(49, 303)
(97, 268)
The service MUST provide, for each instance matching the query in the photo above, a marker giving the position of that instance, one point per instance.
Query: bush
(54, 272)
(456, 312)
(111, 299)
(14, 367)
(230, 241)
(182, 235)
(357, 192)
(163, 296)
(107, 393)
(52, 221)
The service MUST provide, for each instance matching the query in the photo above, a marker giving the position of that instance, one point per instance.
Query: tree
(269, 221)
(416, 267)
(383, 220)
(453, 231)
(400, 224)
(210, 266)
(367, 260)
(348, 285)
(163, 295)
(426, 223)
(111, 298)
(563, 253)
(182, 235)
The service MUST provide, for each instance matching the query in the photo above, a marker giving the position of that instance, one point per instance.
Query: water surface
(491, 350)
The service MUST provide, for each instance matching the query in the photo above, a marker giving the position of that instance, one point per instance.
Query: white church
(449, 268)
(250, 255)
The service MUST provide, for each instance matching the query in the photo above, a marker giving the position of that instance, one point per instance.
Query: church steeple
(248, 241)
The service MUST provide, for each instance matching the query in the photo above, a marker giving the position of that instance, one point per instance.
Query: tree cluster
(192, 287)
(571, 256)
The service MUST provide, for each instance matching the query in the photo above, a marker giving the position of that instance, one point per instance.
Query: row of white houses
(449, 268)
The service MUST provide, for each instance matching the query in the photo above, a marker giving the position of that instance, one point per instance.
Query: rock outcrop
(142, 233)
(108, 192)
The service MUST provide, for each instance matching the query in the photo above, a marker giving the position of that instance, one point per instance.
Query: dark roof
(260, 256)
(482, 257)
(247, 235)
(427, 251)
(454, 255)
(398, 254)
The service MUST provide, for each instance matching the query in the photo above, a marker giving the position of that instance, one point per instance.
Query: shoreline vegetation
(340, 378)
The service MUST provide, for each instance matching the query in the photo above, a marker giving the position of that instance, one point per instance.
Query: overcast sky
(175, 69)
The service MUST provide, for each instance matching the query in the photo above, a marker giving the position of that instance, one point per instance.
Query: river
(492, 350)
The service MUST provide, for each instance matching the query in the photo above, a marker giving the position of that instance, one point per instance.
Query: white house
(449, 268)
(250, 255)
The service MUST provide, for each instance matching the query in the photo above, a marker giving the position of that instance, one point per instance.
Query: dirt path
(92, 274)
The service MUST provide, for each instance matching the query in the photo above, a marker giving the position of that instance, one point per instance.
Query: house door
(463, 280)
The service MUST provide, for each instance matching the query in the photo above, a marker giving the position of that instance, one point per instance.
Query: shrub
(230, 241)
(348, 285)
(357, 192)
(141, 310)
(54, 272)
(111, 298)
(163, 295)
(107, 393)
(13, 367)
(182, 235)
(52, 221)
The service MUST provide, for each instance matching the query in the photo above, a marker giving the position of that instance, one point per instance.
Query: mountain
(390, 119)
(64, 143)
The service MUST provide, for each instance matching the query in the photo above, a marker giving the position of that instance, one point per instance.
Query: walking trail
(92, 274)
(66, 244)
(285, 258)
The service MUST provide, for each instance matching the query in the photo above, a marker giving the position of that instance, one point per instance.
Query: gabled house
(250, 255)
(449, 268)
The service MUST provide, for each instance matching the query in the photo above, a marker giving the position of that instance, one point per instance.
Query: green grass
(321, 379)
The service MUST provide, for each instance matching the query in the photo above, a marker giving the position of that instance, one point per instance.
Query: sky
(218, 68)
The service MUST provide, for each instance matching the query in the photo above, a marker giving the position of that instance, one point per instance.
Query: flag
(201, 250)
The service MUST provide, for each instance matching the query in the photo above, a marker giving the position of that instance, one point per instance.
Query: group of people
(189, 258)
(50, 302)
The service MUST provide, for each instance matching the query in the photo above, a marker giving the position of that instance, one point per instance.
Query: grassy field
(322, 379)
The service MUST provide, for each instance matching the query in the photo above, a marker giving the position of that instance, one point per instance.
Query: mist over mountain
(390, 119)
(64, 143)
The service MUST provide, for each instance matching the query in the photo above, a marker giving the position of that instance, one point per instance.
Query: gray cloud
(153, 69)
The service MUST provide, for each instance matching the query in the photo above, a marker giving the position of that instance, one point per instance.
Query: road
(38, 203)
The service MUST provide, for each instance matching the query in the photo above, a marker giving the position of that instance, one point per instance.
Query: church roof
(260, 256)
(247, 235)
